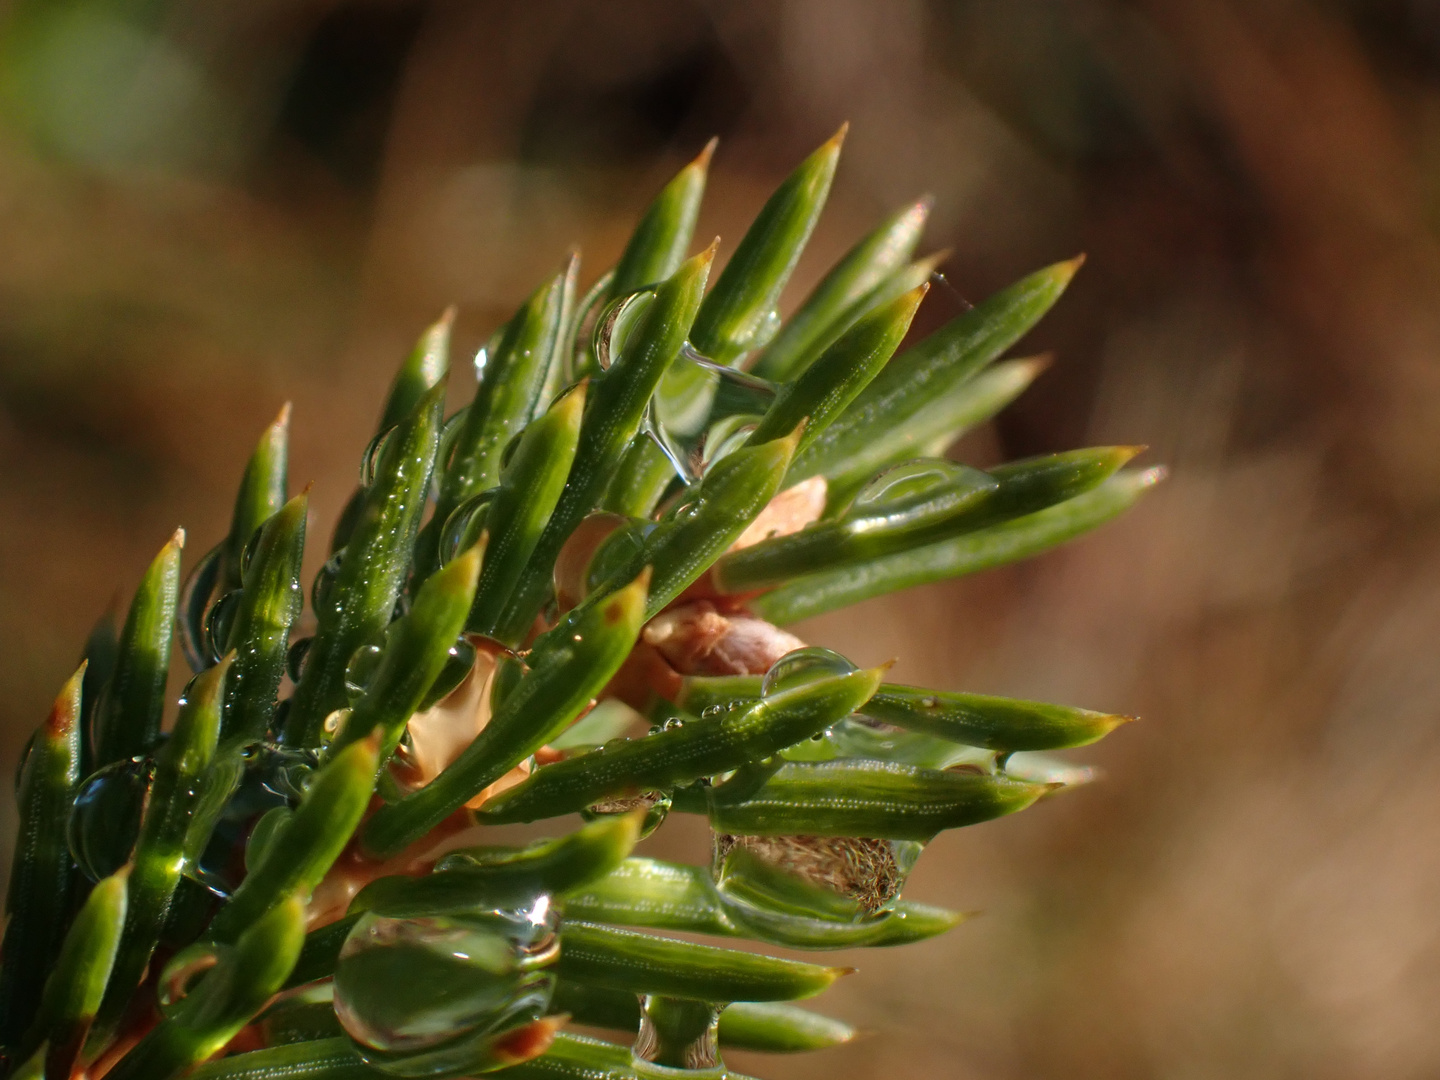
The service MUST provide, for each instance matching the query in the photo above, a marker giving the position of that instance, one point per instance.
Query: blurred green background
(207, 209)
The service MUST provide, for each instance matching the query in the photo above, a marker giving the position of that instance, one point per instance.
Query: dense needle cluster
(566, 596)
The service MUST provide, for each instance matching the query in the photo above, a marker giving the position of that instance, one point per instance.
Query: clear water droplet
(809, 891)
(923, 488)
(803, 666)
(295, 657)
(184, 970)
(270, 776)
(360, 670)
(247, 554)
(617, 553)
(464, 525)
(702, 403)
(458, 663)
(105, 816)
(218, 622)
(324, 585)
(374, 451)
(678, 1038)
(195, 598)
(23, 758)
(617, 319)
(428, 996)
(656, 805)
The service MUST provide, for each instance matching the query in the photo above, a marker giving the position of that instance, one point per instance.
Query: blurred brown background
(208, 208)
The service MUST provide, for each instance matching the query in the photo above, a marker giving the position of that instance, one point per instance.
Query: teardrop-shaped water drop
(464, 525)
(195, 599)
(923, 488)
(374, 451)
(616, 321)
(324, 585)
(421, 997)
(360, 670)
(458, 662)
(271, 776)
(218, 622)
(678, 1038)
(184, 970)
(803, 666)
(809, 891)
(105, 816)
(656, 805)
(23, 758)
(295, 657)
(247, 553)
(617, 552)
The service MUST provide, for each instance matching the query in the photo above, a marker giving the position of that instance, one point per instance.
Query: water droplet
(270, 776)
(265, 832)
(360, 670)
(430, 996)
(700, 403)
(923, 488)
(105, 816)
(617, 553)
(678, 1037)
(324, 584)
(370, 460)
(464, 525)
(809, 891)
(458, 662)
(24, 757)
(656, 805)
(449, 433)
(247, 554)
(617, 319)
(295, 657)
(184, 970)
(803, 666)
(195, 598)
(218, 622)
(278, 718)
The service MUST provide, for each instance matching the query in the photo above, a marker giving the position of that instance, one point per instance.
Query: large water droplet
(656, 805)
(361, 669)
(218, 622)
(616, 322)
(195, 598)
(324, 584)
(923, 488)
(700, 403)
(295, 657)
(678, 1038)
(24, 757)
(803, 666)
(105, 816)
(247, 553)
(809, 891)
(464, 525)
(617, 552)
(458, 662)
(429, 996)
(184, 970)
(271, 776)
(370, 460)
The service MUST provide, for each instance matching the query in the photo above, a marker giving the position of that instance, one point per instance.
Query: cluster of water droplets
(434, 996)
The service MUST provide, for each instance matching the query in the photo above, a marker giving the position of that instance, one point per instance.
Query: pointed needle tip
(702, 159)
(282, 418)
